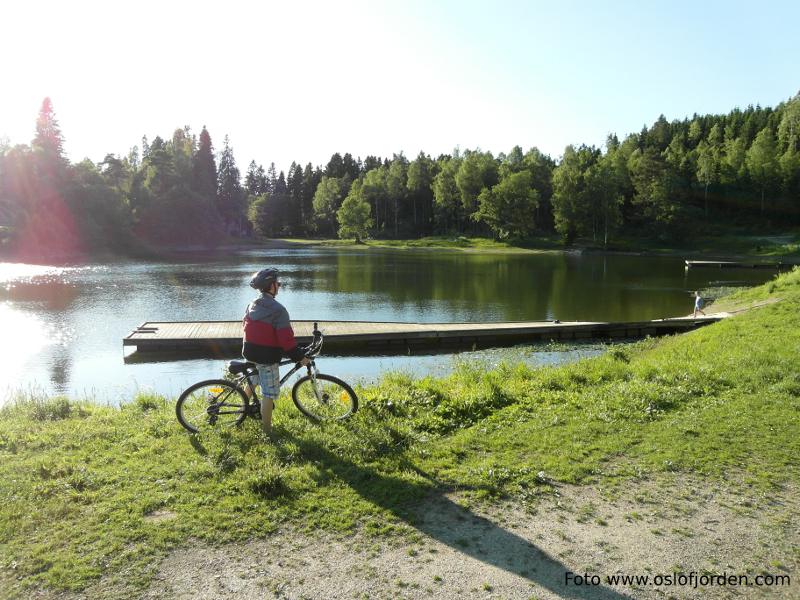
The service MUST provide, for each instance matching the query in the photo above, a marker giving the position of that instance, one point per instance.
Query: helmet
(263, 279)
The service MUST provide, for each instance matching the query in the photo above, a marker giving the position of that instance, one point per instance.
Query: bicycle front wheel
(210, 403)
(324, 398)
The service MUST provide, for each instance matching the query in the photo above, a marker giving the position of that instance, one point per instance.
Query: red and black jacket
(268, 334)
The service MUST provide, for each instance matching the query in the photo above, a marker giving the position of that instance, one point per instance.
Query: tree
(732, 169)
(335, 167)
(48, 146)
(789, 164)
(311, 179)
(230, 196)
(708, 163)
(263, 215)
(272, 178)
(695, 131)
(183, 150)
(509, 207)
(761, 160)
(371, 162)
(571, 196)
(115, 172)
(294, 185)
(327, 199)
(354, 214)
(478, 170)
(789, 127)
(279, 198)
(252, 183)
(446, 196)
(657, 190)
(513, 162)
(204, 168)
(605, 195)
(541, 168)
(97, 201)
(396, 186)
(350, 167)
(373, 190)
(145, 147)
(420, 179)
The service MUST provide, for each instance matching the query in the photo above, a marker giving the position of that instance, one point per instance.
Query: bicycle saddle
(240, 366)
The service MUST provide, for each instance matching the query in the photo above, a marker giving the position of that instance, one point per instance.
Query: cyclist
(268, 335)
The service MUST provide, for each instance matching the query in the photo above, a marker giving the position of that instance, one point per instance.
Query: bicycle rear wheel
(326, 399)
(210, 403)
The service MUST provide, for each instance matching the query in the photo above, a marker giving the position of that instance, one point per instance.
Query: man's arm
(285, 333)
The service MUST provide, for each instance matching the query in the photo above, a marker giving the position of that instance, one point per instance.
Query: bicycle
(318, 396)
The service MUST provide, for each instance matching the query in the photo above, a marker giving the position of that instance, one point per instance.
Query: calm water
(63, 325)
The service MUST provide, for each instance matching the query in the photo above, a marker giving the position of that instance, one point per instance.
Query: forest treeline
(669, 180)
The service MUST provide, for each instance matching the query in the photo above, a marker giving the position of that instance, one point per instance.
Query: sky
(299, 80)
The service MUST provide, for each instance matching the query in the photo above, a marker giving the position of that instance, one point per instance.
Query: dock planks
(367, 337)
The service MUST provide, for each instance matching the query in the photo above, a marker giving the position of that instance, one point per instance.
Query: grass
(469, 244)
(725, 241)
(88, 491)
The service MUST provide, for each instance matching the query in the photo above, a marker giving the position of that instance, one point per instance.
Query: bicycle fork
(313, 371)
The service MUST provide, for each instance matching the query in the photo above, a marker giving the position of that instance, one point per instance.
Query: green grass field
(723, 243)
(91, 491)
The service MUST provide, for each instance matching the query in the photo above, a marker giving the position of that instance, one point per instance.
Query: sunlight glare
(24, 335)
(12, 272)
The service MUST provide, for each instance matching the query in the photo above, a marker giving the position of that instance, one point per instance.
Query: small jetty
(732, 264)
(223, 338)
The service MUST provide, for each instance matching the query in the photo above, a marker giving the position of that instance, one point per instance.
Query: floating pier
(732, 264)
(221, 338)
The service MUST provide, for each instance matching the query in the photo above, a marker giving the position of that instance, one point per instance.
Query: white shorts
(270, 379)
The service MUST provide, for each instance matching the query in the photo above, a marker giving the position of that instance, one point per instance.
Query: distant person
(698, 305)
(268, 335)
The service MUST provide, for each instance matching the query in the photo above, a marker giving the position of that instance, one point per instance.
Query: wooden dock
(219, 338)
(732, 264)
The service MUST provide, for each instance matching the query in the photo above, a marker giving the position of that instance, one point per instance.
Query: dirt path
(514, 549)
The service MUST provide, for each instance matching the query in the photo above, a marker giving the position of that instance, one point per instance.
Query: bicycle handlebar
(315, 347)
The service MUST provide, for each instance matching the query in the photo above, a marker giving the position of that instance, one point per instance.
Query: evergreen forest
(670, 181)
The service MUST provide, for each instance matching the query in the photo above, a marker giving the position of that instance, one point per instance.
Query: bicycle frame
(237, 397)
(313, 351)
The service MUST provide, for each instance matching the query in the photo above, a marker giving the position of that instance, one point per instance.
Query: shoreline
(465, 245)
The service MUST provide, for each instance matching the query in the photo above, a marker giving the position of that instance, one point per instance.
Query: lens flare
(24, 336)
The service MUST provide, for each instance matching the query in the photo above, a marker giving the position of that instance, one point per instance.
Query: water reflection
(63, 326)
(24, 336)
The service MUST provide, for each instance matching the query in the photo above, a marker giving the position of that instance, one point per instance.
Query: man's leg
(270, 389)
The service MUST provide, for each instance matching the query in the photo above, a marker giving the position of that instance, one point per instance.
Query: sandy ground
(512, 549)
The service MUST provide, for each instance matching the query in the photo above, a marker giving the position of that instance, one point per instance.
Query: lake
(63, 325)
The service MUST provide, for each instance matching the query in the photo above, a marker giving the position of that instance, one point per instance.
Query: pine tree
(230, 196)
(251, 179)
(335, 167)
(311, 179)
(48, 146)
(272, 178)
(204, 168)
(294, 184)
(145, 147)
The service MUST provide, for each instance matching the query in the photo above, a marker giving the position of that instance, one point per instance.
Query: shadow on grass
(424, 506)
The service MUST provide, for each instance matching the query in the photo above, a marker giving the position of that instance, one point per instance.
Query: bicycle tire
(305, 399)
(198, 407)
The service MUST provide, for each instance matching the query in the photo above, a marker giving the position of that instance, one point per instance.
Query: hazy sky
(300, 80)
